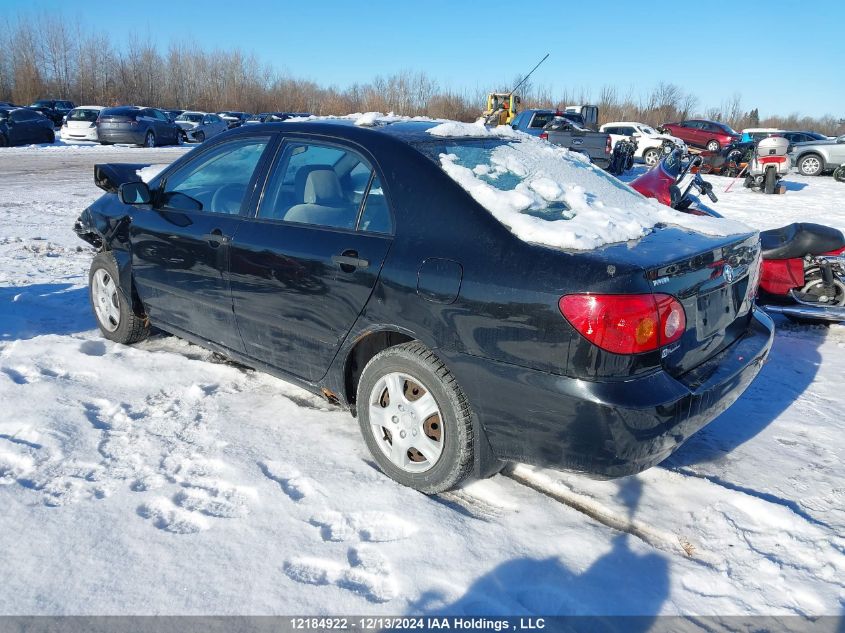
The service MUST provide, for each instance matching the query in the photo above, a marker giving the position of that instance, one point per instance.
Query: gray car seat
(323, 202)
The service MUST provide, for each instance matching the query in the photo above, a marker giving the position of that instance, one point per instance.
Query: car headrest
(300, 178)
(322, 187)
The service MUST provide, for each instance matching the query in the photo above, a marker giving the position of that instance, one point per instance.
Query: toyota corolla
(473, 296)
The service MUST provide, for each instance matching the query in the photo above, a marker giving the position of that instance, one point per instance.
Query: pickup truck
(597, 146)
(566, 129)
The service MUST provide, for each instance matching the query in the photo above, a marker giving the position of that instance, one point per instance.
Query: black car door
(304, 267)
(180, 246)
(25, 126)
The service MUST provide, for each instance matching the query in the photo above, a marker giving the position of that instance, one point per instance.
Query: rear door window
(541, 119)
(327, 186)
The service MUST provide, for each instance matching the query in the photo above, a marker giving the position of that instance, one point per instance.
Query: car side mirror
(134, 193)
(636, 135)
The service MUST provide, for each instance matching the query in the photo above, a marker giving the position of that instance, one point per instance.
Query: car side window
(375, 217)
(216, 181)
(158, 114)
(317, 184)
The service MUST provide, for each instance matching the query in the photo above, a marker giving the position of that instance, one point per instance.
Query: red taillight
(625, 324)
(772, 159)
(608, 147)
(544, 136)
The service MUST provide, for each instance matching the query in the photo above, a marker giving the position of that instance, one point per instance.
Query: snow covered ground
(160, 479)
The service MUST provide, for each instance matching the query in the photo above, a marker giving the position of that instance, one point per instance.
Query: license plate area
(716, 311)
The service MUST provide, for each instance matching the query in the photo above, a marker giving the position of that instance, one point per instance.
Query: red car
(711, 135)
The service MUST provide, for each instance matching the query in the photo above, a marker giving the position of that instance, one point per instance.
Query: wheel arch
(364, 348)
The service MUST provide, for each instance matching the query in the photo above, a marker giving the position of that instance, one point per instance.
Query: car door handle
(216, 238)
(349, 261)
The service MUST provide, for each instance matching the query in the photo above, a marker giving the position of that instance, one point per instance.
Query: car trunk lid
(716, 287)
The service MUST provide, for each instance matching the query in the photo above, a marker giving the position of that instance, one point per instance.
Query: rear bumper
(610, 428)
(120, 136)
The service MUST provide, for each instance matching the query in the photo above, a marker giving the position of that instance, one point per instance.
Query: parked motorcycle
(622, 158)
(664, 183)
(730, 161)
(802, 274)
(768, 164)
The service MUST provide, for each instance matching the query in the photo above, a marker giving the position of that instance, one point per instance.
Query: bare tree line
(46, 55)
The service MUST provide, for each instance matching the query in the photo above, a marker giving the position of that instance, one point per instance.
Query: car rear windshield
(42, 104)
(193, 118)
(81, 114)
(545, 194)
(128, 112)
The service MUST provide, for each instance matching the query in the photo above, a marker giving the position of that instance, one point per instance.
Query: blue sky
(712, 49)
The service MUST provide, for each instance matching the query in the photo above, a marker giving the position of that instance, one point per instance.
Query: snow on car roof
(550, 196)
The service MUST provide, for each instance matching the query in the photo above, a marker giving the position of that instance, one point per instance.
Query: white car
(649, 140)
(80, 124)
(199, 126)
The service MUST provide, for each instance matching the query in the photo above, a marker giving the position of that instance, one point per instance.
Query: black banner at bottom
(462, 624)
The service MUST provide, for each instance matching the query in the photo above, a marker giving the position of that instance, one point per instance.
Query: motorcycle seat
(800, 239)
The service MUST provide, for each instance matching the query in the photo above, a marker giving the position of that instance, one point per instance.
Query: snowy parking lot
(161, 479)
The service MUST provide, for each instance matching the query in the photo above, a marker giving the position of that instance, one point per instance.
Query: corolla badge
(728, 273)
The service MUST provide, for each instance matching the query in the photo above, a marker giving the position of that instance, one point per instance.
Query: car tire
(407, 390)
(651, 157)
(115, 317)
(150, 140)
(4, 142)
(50, 137)
(200, 137)
(180, 138)
(811, 165)
(713, 146)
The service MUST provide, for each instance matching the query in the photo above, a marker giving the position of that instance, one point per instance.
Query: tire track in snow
(653, 536)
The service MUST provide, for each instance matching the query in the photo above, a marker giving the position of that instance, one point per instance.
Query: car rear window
(130, 112)
(547, 195)
(81, 114)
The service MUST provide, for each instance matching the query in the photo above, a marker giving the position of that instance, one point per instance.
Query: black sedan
(351, 261)
(20, 126)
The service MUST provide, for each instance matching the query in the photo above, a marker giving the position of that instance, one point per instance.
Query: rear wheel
(651, 157)
(839, 174)
(770, 181)
(3, 141)
(811, 165)
(50, 137)
(115, 316)
(415, 418)
(713, 146)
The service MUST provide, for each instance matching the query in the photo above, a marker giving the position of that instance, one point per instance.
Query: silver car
(812, 158)
(199, 126)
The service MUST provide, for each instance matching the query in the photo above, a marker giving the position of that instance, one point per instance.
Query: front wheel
(651, 157)
(415, 419)
(115, 316)
(811, 165)
(713, 146)
(150, 140)
(200, 137)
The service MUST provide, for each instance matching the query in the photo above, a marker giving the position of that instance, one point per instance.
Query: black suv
(54, 109)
